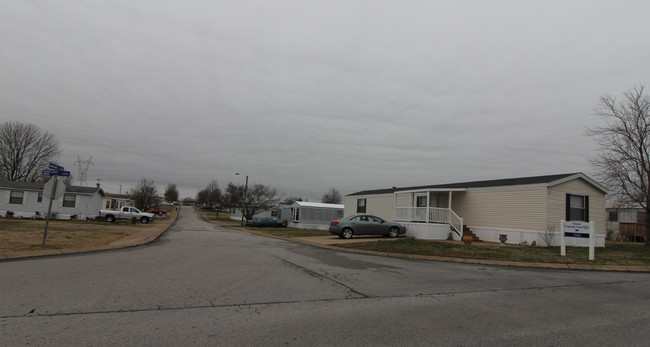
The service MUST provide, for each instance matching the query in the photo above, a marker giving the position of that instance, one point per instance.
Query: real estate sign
(580, 230)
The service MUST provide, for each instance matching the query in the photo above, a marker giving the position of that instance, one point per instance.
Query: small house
(525, 210)
(26, 200)
(313, 215)
(627, 224)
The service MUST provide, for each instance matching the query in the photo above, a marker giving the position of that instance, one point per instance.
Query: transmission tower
(82, 166)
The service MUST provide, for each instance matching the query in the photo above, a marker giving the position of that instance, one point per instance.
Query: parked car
(365, 224)
(260, 222)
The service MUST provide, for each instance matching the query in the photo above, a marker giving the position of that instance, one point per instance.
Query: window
(612, 216)
(16, 197)
(361, 206)
(69, 200)
(40, 197)
(421, 201)
(577, 207)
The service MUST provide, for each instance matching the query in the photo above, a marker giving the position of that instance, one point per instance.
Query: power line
(82, 166)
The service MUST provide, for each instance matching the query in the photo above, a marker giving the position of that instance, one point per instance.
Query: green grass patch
(615, 253)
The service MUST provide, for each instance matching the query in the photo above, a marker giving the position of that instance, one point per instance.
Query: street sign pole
(49, 209)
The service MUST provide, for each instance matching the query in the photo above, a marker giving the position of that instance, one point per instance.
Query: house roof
(317, 204)
(548, 180)
(118, 196)
(39, 186)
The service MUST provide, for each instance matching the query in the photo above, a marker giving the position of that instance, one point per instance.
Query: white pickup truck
(127, 212)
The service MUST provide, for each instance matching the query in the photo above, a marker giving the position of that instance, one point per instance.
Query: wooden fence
(632, 231)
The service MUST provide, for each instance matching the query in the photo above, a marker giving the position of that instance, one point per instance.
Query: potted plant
(9, 214)
(73, 217)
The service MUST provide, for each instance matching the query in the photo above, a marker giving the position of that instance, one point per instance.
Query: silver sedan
(365, 224)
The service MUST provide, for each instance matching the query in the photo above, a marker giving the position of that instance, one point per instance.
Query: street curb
(556, 266)
(146, 237)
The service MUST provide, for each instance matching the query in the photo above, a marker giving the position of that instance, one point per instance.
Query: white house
(25, 200)
(314, 215)
(301, 214)
(525, 209)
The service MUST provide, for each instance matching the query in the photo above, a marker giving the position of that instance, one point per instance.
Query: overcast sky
(307, 95)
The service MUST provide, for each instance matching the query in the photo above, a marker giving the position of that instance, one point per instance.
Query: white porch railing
(435, 215)
(456, 222)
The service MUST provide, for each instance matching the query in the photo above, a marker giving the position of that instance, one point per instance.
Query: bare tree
(332, 196)
(259, 198)
(623, 161)
(213, 195)
(233, 196)
(25, 151)
(171, 193)
(202, 198)
(145, 194)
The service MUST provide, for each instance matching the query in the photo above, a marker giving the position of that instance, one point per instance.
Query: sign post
(578, 230)
(55, 191)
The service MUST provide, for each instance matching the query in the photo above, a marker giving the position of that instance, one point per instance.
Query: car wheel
(144, 220)
(346, 233)
(393, 232)
(110, 219)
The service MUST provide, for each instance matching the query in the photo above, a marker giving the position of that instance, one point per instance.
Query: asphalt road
(201, 284)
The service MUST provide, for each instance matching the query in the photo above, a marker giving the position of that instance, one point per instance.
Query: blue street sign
(55, 167)
(55, 173)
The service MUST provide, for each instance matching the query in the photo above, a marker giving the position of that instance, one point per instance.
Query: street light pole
(245, 198)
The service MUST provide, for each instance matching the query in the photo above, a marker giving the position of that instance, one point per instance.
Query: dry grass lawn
(20, 235)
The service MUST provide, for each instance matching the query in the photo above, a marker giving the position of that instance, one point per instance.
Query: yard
(615, 253)
(20, 235)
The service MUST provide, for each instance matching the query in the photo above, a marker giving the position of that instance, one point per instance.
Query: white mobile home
(314, 215)
(524, 209)
(25, 200)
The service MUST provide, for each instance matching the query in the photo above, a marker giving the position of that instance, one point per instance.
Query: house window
(577, 207)
(108, 204)
(421, 201)
(16, 197)
(274, 213)
(69, 200)
(40, 197)
(612, 216)
(361, 206)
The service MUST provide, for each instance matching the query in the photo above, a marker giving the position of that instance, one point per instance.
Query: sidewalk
(140, 238)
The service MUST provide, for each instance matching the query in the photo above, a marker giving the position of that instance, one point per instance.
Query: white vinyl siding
(380, 205)
(557, 204)
(521, 209)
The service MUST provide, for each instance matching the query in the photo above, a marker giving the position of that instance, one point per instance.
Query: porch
(428, 212)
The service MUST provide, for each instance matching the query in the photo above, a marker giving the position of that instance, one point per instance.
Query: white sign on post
(579, 230)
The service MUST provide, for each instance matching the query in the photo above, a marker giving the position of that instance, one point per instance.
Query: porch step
(467, 231)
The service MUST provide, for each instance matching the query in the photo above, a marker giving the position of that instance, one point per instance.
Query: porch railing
(435, 215)
(456, 222)
(419, 214)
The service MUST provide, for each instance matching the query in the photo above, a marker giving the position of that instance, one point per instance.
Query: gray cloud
(307, 95)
